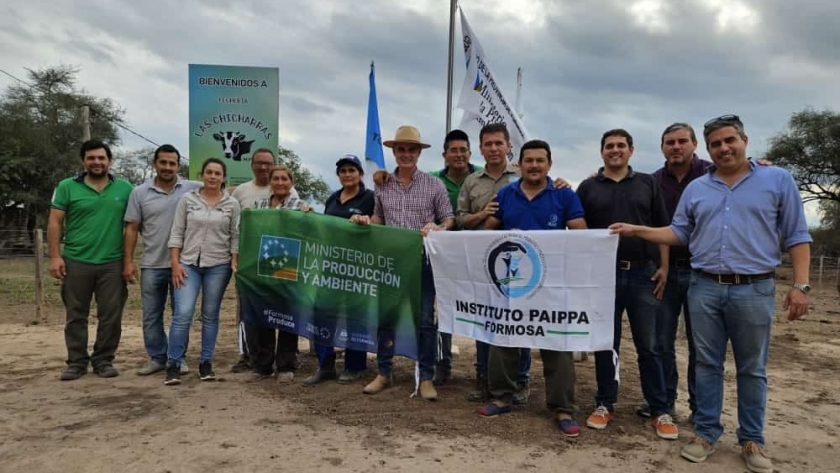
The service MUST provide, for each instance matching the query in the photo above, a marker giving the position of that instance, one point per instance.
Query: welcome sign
(233, 112)
(534, 289)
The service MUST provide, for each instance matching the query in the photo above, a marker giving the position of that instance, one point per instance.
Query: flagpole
(450, 71)
(519, 94)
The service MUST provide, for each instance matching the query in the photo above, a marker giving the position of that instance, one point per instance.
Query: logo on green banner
(279, 257)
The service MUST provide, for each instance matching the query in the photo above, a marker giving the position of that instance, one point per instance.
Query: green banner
(233, 112)
(336, 282)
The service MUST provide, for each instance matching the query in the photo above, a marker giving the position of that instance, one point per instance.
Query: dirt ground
(133, 423)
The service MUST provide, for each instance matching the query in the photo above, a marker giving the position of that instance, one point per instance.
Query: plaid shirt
(291, 203)
(424, 200)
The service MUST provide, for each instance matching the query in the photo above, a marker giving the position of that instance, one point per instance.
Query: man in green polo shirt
(456, 156)
(89, 210)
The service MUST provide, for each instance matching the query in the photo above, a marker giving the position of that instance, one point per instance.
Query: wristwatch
(805, 288)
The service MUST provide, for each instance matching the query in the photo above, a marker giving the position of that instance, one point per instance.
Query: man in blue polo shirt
(733, 219)
(532, 203)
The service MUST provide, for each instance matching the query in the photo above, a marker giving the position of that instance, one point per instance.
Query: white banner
(482, 99)
(535, 289)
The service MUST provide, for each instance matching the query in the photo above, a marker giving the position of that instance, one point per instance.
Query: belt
(625, 265)
(681, 263)
(737, 278)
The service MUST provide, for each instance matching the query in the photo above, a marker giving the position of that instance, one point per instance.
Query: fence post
(822, 261)
(40, 314)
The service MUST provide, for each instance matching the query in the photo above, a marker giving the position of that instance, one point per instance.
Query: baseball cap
(349, 159)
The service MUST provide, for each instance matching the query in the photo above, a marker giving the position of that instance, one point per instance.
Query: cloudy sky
(589, 65)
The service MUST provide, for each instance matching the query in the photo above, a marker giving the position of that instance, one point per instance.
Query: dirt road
(134, 423)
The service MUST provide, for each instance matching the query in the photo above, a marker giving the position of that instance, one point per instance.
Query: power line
(33, 86)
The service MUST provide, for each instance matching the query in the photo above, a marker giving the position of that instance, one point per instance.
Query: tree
(810, 149)
(134, 166)
(309, 186)
(40, 136)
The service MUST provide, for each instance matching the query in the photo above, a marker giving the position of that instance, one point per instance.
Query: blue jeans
(742, 315)
(155, 285)
(427, 338)
(674, 301)
(482, 355)
(211, 282)
(634, 292)
(354, 360)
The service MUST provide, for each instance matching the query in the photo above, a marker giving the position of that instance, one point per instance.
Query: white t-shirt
(249, 193)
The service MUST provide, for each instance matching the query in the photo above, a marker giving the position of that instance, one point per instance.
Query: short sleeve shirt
(154, 209)
(551, 209)
(93, 224)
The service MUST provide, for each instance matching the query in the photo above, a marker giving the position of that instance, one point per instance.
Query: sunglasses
(724, 119)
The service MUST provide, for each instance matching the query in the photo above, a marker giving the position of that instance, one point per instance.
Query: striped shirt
(290, 202)
(425, 200)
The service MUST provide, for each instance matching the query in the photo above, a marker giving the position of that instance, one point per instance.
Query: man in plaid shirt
(418, 201)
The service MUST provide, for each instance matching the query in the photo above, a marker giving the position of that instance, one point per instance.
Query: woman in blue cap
(352, 199)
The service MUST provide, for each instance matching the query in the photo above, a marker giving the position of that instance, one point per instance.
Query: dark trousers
(558, 370)
(634, 292)
(82, 282)
(272, 347)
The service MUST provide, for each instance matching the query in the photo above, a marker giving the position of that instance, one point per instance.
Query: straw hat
(406, 134)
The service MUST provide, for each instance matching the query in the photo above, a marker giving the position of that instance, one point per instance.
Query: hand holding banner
(536, 289)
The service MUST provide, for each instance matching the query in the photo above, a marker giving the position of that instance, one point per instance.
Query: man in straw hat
(418, 201)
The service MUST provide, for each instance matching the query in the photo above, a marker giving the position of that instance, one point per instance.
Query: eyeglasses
(724, 119)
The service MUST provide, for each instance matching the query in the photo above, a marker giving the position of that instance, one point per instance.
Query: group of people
(697, 237)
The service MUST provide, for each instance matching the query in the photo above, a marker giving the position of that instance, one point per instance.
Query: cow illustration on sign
(233, 144)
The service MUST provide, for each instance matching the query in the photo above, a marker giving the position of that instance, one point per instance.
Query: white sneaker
(286, 377)
(184, 368)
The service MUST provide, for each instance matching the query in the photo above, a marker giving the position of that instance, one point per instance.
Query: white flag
(481, 98)
(535, 289)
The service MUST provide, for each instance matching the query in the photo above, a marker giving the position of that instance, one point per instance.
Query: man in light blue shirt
(150, 212)
(733, 219)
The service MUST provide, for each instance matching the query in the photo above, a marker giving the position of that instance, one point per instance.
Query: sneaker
(481, 393)
(757, 461)
(665, 427)
(106, 371)
(493, 410)
(348, 377)
(428, 391)
(185, 369)
(379, 384)
(151, 367)
(569, 427)
(241, 366)
(286, 377)
(258, 376)
(523, 392)
(319, 376)
(173, 376)
(72, 373)
(599, 419)
(205, 371)
(697, 450)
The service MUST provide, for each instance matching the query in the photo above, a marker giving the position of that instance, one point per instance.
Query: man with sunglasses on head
(733, 219)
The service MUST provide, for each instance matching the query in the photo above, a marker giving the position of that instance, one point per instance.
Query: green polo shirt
(453, 188)
(93, 224)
